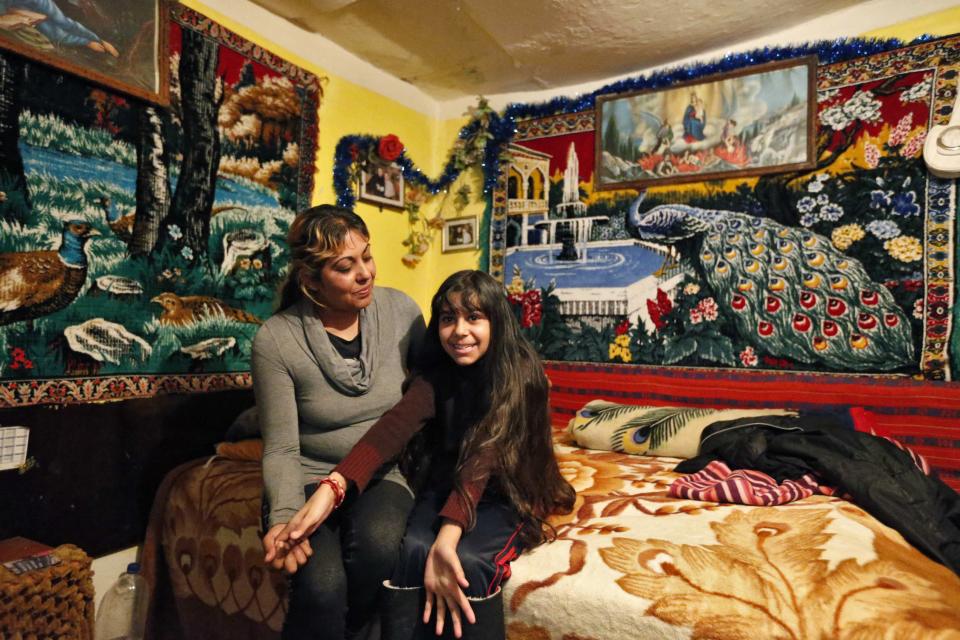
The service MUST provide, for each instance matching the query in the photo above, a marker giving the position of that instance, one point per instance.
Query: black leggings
(485, 551)
(354, 550)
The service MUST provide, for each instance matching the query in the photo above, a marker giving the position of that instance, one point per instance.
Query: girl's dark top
(450, 405)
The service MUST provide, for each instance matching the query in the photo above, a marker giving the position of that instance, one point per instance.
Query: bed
(629, 562)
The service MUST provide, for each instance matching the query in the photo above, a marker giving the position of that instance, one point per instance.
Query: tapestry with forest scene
(140, 247)
(845, 268)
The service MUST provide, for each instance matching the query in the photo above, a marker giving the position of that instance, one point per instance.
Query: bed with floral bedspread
(629, 562)
(632, 562)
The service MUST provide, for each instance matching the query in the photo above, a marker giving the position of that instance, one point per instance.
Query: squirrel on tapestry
(474, 431)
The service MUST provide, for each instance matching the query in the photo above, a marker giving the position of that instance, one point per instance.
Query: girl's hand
(282, 556)
(311, 515)
(444, 581)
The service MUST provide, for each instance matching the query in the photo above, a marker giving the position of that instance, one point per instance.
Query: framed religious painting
(747, 122)
(116, 43)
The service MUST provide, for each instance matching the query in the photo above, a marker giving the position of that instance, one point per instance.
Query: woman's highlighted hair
(316, 235)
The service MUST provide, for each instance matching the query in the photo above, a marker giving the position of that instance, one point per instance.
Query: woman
(325, 367)
(477, 419)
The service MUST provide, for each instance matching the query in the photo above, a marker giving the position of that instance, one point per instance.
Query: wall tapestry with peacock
(140, 247)
(845, 268)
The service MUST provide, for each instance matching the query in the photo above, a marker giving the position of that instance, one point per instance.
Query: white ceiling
(455, 48)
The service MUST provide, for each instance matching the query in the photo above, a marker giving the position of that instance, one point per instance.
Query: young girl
(474, 429)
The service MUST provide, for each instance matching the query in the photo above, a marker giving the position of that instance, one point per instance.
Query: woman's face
(464, 334)
(346, 280)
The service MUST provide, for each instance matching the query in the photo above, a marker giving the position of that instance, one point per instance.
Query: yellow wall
(941, 23)
(443, 264)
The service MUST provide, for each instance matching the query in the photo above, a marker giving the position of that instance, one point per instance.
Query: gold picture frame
(460, 234)
(122, 46)
(748, 122)
(382, 185)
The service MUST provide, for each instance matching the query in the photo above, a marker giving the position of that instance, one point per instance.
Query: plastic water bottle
(123, 610)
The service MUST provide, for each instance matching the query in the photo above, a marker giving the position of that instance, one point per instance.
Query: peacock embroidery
(789, 292)
(648, 429)
(37, 283)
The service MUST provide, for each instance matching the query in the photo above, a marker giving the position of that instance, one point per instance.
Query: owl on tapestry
(789, 292)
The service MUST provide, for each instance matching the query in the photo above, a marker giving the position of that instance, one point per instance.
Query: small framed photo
(382, 185)
(460, 234)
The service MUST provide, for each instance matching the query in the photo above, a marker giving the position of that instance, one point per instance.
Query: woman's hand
(311, 515)
(444, 581)
(284, 556)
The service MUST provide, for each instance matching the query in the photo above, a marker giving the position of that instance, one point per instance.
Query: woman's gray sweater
(313, 405)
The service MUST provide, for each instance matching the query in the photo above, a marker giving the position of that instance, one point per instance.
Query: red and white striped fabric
(717, 483)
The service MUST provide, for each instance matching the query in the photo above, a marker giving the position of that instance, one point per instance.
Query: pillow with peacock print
(655, 431)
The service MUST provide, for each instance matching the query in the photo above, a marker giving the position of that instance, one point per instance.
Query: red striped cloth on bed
(922, 415)
(716, 482)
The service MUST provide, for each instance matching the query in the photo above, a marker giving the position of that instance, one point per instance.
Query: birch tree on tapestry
(141, 246)
(753, 121)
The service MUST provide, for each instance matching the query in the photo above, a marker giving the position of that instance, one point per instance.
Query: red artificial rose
(390, 147)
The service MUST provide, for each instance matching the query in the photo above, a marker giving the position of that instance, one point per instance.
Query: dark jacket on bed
(879, 477)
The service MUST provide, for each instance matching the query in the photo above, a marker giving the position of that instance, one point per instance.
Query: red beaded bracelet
(338, 492)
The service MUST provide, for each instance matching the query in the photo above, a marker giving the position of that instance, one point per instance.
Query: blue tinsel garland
(502, 127)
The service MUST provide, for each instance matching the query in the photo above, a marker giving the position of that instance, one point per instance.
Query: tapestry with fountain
(142, 245)
(845, 268)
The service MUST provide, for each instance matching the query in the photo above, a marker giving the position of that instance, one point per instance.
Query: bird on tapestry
(184, 310)
(120, 224)
(37, 283)
(789, 291)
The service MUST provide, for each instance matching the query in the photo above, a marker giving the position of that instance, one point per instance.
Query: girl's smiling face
(464, 333)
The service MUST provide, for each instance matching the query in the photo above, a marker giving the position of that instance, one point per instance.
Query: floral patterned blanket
(629, 562)
(632, 562)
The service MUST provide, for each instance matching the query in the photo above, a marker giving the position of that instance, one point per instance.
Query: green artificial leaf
(676, 350)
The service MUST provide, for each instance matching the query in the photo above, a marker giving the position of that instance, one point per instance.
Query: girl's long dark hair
(315, 235)
(515, 430)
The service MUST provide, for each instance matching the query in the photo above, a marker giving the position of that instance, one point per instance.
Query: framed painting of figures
(748, 122)
(115, 43)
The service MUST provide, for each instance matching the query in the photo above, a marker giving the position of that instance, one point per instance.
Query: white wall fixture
(13, 447)
(941, 150)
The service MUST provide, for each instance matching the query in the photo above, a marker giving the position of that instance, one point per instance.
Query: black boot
(400, 611)
(489, 615)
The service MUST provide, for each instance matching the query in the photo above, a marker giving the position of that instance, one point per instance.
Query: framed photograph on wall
(117, 43)
(382, 185)
(751, 121)
(460, 234)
